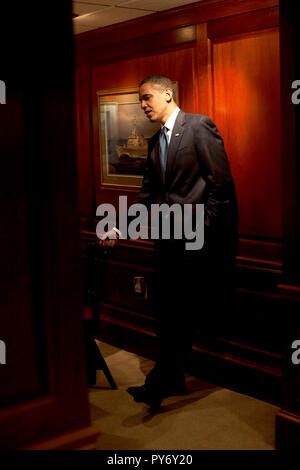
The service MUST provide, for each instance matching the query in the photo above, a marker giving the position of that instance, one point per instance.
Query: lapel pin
(176, 135)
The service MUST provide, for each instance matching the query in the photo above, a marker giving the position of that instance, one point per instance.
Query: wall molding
(147, 44)
(259, 275)
(201, 12)
(248, 22)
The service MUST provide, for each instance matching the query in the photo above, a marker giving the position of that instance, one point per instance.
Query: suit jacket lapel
(176, 137)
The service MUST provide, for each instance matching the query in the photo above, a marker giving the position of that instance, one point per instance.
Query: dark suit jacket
(197, 171)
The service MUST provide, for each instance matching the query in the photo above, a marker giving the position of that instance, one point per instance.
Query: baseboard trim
(227, 370)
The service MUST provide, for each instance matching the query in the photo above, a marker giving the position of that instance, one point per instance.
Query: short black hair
(162, 81)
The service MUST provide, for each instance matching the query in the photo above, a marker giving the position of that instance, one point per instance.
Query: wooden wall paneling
(202, 72)
(119, 302)
(252, 21)
(145, 45)
(84, 139)
(120, 286)
(256, 250)
(245, 71)
(22, 375)
(247, 110)
(269, 252)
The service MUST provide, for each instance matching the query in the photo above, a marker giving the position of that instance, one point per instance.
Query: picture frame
(124, 132)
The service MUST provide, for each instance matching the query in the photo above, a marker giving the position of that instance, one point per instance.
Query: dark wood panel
(268, 251)
(120, 287)
(20, 377)
(246, 96)
(145, 45)
(84, 140)
(258, 263)
(40, 309)
(253, 21)
(202, 71)
(124, 316)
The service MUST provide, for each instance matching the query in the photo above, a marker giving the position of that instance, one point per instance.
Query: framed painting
(124, 132)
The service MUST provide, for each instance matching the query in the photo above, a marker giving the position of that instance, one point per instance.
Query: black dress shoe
(143, 394)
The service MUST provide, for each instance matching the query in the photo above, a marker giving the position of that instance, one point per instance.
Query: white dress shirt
(170, 123)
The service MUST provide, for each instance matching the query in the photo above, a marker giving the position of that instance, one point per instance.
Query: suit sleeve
(220, 205)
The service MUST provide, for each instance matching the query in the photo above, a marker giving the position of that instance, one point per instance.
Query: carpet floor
(206, 418)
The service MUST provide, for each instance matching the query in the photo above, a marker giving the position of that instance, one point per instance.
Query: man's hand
(109, 239)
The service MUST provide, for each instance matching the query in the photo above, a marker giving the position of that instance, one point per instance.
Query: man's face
(154, 102)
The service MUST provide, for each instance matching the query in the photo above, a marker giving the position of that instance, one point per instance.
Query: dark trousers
(192, 290)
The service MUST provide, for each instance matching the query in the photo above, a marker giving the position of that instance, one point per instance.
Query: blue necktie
(163, 144)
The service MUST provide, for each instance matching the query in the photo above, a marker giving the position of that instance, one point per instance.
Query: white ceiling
(93, 14)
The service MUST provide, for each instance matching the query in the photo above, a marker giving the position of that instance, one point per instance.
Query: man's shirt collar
(171, 120)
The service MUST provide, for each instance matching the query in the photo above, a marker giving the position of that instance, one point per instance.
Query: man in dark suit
(187, 164)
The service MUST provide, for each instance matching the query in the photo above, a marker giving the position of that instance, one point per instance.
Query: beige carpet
(208, 417)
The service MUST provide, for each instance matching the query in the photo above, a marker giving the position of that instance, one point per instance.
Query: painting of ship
(136, 145)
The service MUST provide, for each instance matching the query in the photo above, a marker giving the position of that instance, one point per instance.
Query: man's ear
(169, 94)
